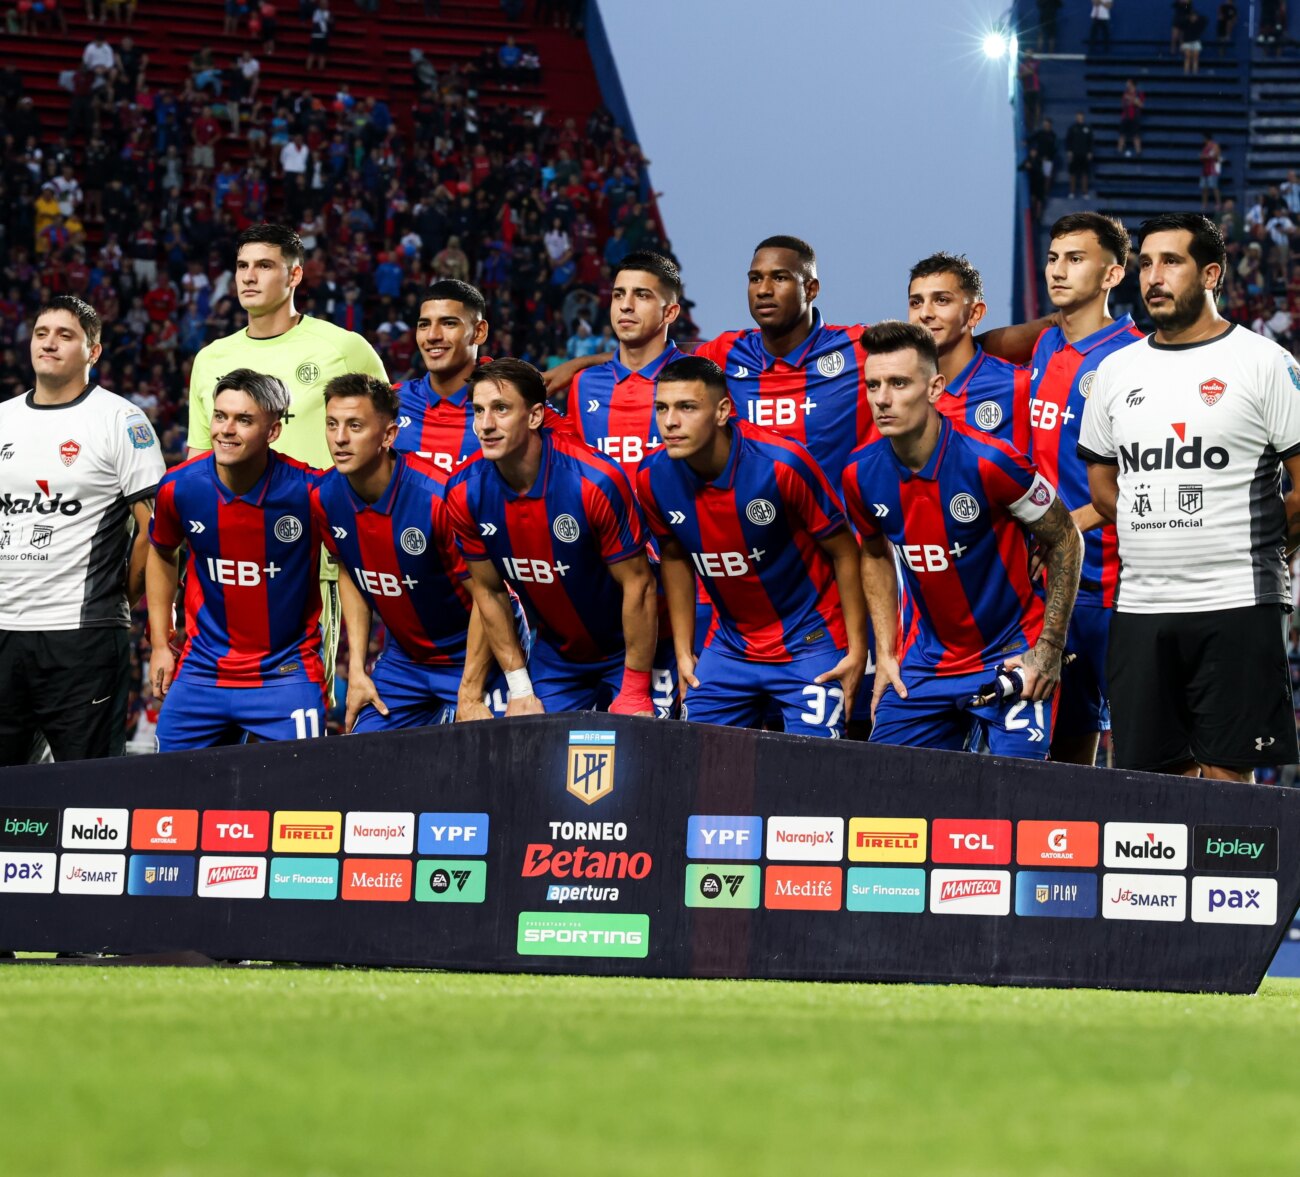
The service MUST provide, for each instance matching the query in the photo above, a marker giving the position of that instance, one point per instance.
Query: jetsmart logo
(1188, 454)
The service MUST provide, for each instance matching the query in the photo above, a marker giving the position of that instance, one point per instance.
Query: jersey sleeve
(463, 526)
(137, 456)
(1096, 430)
(202, 382)
(165, 526)
(320, 522)
(1281, 391)
(853, 502)
(361, 357)
(646, 497)
(443, 535)
(614, 515)
(1013, 481)
(718, 349)
(808, 497)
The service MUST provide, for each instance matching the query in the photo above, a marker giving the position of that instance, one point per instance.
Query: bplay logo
(1234, 901)
(232, 878)
(450, 880)
(378, 833)
(1249, 849)
(581, 933)
(1145, 845)
(805, 839)
(803, 888)
(28, 873)
(971, 840)
(164, 829)
(719, 836)
(970, 892)
(245, 830)
(304, 878)
(95, 829)
(385, 880)
(92, 874)
(718, 884)
(882, 889)
(306, 831)
(1056, 843)
(29, 827)
(887, 839)
(454, 833)
(1144, 897)
(1056, 893)
(160, 874)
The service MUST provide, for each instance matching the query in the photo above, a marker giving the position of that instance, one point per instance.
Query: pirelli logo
(306, 831)
(887, 839)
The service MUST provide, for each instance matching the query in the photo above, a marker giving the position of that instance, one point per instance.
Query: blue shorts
(415, 695)
(202, 715)
(935, 715)
(1083, 704)
(737, 693)
(592, 686)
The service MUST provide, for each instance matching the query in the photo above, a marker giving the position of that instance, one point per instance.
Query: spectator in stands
(422, 71)
(1226, 21)
(1032, 166)
(1211, 168)
(1045, 140)
(1099, 29)
(1281, 231)
(1290, 193)
(99, 58)
(132, 63)
(1078, 152)
(203, 71)
(1178, 28)
(1047, 14)
(1272, 25)
(508, 58)
(236, 10)
(322, 23)
(1193, 29)
(1132, 104)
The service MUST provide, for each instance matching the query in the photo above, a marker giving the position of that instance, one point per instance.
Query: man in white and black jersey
(78, 469)
(1185, 434)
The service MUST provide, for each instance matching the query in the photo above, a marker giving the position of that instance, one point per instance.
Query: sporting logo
(831, 364)
(288, 528)
(1212, 391)
(378, 833)
(589, 772)
(95, 829)
(803, 888)
(160, 874)
(164, 829)
(964, 508)
(304, 878)
(1057, 843)
(970, 892)
(1160, 898)
(1234, 901)
(385, 880)
(887, 839)
(454, 833)
(31, 874)
(450, 880)
(307, 831)
(608, 934)
(92, 874)
(988, 415)
(760, 512)
(413, 541)
(1142, 846)
(716, 836)
(722, 885)
(805, 839)
(566, 529)
(884, 889)
(1250, 849)
(1060, 894)
(970, 840)
(232, 878)
(245, 830)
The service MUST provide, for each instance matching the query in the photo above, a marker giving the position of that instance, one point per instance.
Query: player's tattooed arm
(1062, 547)
(1292, 505)
(142, 510)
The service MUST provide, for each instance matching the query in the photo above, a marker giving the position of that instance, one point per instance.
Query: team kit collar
(256, 495)
(799, 357)
(727, 479)
(1121, 326)
(958, 387)
(538, 489)
(384, 504)
(459, 398)
(651, 370)
(930, 471)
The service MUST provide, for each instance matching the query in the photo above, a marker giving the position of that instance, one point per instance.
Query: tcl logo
(955, 840)
(236, 829)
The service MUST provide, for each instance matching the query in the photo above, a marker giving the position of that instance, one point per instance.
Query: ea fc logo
(988, 415)
(566, 528)
(308, 373)
(287, 529)
(963, 507)
(413, 541)
(831, 364)
(760, 512)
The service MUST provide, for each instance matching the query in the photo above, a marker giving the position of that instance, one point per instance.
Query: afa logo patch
(140, 433)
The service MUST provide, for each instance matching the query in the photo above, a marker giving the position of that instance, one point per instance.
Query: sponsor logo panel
(304, 878)
(29, 827)
(385, 880)
(805, 839)
(803, 888)
(28, 873)
(1144, 897)
(378, 833)
(231, 878)
(1056, 893)
(590, 766)
(165, 829)
(721, 836)
(1233, 901)
(95, 829)
(608, 934)
(235, 829)
(307, 831)
(160, 874)
(454, 833)
(1057, 843)
(970, 892)
(1145, 845)
(970, 840)
(716, 884)
(887, 839)
(884, 889)
(1242, 848)
(450, 880)
(92, 874)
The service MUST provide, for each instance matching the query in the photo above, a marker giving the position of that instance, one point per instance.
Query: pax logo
(803, 888)
(164, 829)
(970, 892)
(236, 829)
(29, 873)
(378, 833)
(382, 879)
(716, 836)
(887, 839)
(805, 839)
(232, 878)
(95, 829)
(1233, 901)
(92, 874)
(454, 833)
(1144, 897)
(306, 831)
(1154, 846)
(1058, 843)
(970, 840)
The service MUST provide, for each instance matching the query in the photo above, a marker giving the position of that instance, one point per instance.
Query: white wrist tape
(520, 685)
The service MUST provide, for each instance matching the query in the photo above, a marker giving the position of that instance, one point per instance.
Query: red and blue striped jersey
(956, 526)
(613, 409)
(752, 537)
(252, 589)
(401, 554)
(990, 395)
(554, 543)
(1062, 379)
(816, 395)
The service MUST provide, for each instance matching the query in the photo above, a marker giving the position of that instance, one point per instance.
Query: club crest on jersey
(988, 415)
(1085, 385)
(1212, 391)
(308, 373)
(760, 512)
(831, 364)
(287, 529)
(1040, 494)
(413, 541)
(68, 452)
(566, 528)
(963, 507)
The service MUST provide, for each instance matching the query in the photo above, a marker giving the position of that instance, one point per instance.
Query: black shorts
(68, 685)
(1208, 687)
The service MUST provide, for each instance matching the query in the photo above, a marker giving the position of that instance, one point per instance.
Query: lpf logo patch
(988, 415)
(831, 364)
(68, 452)
(413, 541)
(287, 529)
(964, 508)
(760, 512)
(308, 373)
(1212, 391)
(590, 774)
(566, 528)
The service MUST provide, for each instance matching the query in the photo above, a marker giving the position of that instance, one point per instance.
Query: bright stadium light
(995, 45)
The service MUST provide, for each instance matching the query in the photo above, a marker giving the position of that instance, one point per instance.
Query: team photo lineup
(911, 532)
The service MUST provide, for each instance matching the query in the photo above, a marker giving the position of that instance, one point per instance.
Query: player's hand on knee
(887, 675)
(361, 692)
(848, 672)
(527, 705)
(470, 708)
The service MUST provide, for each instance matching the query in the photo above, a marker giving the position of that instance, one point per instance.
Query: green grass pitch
(288, 1071)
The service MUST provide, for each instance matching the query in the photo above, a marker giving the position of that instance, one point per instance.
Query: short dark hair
(454, 290)
(797, 245)
(267, 392)
(281, 236)
(379, 393)
(956, 264)
(1109, 231)
(527, 379)
(79, 309)
(1207, 241)
(665, 269)
(891, 335)
(690, 368)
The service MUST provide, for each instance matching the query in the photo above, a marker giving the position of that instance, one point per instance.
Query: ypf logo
(1212, 391)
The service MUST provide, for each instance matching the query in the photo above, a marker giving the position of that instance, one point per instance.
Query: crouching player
(558, 522)
(956, 506)
(252, 657)
(384, 518)
(755, 517)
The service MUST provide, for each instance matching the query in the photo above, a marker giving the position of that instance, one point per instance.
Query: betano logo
(887, 839)
(307, 831)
